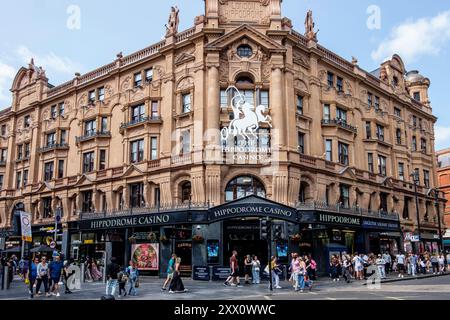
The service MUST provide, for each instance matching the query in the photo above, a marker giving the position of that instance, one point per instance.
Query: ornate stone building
(159, 129)
(443, 173)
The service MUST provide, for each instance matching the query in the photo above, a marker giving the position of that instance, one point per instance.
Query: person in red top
(234, 276)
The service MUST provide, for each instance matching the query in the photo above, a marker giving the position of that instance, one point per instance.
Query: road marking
(395, 298)
(267, 298)
(332, 299)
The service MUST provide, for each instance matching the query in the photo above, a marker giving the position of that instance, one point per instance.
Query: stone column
(212, 184)
(276, 111)
(212, 132)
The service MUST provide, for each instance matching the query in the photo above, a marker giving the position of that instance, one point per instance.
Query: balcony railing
(140, 120)
(340, 123)
(92, 135)
(144, 210)
(55, 146)
(322, 206)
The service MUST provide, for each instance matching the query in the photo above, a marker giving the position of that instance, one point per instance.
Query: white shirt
(401, 259)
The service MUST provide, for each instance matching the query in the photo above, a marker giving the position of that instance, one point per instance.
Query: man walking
(234, 275)
(413, 264)
(55, 268)
(388, 259)
(401, 265)
(381, 266)
(111, 275)
(170, 271)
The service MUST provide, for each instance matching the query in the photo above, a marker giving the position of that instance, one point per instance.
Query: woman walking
(295, 269)
(301, 274)
(247, 268)
(133, 278)
(441, 261)
(96, 274)
(334, 268)
(256, 268)
(42, 277)
(275, 272)
(176, 285)
(32, 276)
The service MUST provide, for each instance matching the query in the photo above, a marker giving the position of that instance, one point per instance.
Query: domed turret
(418, 86)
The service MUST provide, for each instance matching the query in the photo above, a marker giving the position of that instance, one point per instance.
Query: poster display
(25, 220)
(146, 256)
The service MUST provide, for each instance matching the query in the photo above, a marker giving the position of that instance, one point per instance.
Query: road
(437, 288)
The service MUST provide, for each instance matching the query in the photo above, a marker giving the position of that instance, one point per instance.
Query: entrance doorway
(244, 237)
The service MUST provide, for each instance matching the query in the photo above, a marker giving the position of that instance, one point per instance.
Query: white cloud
(413, 39)
(7, 74)
(442, 137)
(49, 61)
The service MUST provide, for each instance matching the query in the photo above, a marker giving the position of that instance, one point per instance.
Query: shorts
(400, 267)
(234, 274)
(55, 280)
(170, 275)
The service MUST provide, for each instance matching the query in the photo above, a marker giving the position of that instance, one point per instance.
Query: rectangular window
(138, 79)
(53, 112)
(101, 94)
(301, 143)
(63, 137)
(1, 182)
(343, 153)
(329, 149)
(370, 162)
(299, 104)
(414, 121)
(27, 150)
(423, 145)
(149, 75)
(60, 169)
(330, 79)
(186, 101)
(19, 152)
(157, 198)
(18, 180)
(377, 103)
(341, 115)
(417, 174)
(398, 135)
(383, 202)
(382, 165)
(87, 205)
(369, 99)
(51, 139)
(416, 96)
(264, 98)
(340, 84)
(91, 96)
(48, 171)
(344, 198)
(47, 205)
(137, 195)
(249, 96)
(326, 112)
(137, 151)
(397, 112)
(185, 142)
(401, 171)
(380, 132)
(3, 130)
(420, 123)
(104, 125)
(3, 155)
(155, 110)
(426, 178)
(154, 148)
(368, 130)
(90, 128)
(264, 140)
(223, 99)
(27, 121)
(138, 113)
(88, 162)
(102, 161)
(61, 109)
(414, 143)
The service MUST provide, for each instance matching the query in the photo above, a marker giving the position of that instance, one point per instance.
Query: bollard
(6, 276)
(82, 273)
(211, 270)
(2, 283)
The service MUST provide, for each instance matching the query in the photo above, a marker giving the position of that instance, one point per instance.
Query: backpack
(313, 264)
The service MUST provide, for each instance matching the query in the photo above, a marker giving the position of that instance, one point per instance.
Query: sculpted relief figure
(174, 21)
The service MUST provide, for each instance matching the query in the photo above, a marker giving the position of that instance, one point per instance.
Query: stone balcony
(52, 147)
(93, 135)
(140, 121)
(340, 124)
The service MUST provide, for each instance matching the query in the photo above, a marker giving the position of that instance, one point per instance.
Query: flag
(25, 221)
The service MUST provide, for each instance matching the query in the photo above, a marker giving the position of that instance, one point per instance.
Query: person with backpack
(112, 271)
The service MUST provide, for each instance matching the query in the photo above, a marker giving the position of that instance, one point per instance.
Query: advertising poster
(25, 219)
(146, 256)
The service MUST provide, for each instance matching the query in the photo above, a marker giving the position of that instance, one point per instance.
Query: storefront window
(186, 190)
(244, 186)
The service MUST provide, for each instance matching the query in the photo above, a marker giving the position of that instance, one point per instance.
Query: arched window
(244, 51)
(244, 186)
(186, 191)
(302, 195)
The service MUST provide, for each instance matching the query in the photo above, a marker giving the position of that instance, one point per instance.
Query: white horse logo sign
(247, 119)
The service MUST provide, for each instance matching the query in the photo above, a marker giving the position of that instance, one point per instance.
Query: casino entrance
(243, 235)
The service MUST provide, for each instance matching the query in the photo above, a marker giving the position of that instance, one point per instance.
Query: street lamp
(415, 176)
(441, 238)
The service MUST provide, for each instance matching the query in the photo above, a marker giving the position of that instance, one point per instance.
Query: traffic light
(265, 229)
(278, 232)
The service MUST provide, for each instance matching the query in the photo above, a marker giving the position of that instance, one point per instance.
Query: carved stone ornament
(185, 83)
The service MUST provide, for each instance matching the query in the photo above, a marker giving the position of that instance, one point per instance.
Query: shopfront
(205, 238)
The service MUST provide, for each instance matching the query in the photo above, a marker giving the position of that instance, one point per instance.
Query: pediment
(133, 171)
(387, 182)
(347, 173)
(253, 200)
(245, 31)
(45, 187)
(84, 180)
(184, 58)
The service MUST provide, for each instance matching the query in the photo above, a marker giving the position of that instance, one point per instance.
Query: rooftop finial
(309, 27)
(174, 21)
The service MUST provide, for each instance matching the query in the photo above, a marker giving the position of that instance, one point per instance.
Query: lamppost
(441, 238)
(415, 176)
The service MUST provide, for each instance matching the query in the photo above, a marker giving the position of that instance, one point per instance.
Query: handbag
(266, 269)
(136, 284)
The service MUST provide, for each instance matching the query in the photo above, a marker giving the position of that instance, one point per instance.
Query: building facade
(443, 173)
(171, 145)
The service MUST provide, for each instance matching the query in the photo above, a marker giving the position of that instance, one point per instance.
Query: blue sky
(418, 30)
